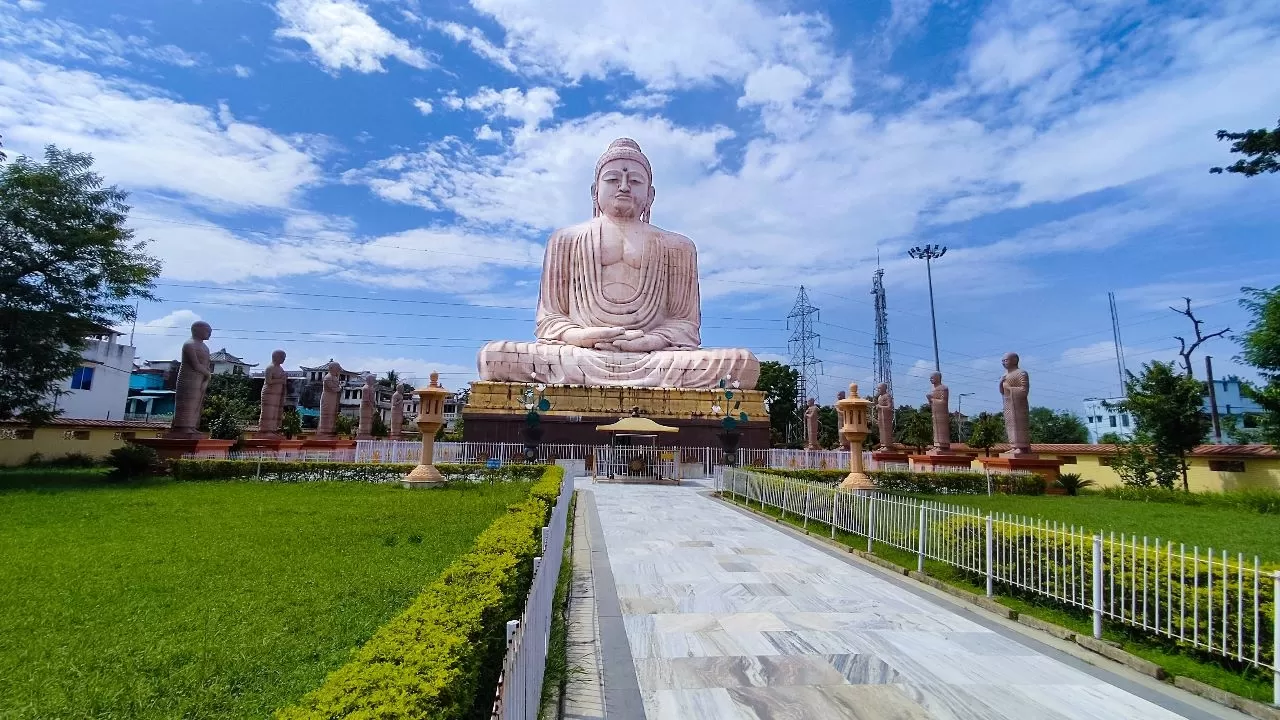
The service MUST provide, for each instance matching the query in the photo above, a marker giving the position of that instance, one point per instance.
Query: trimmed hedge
(930, 483)
(441, 657)
(284, 471)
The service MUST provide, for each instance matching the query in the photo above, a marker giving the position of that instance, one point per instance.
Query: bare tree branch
(1184, 350)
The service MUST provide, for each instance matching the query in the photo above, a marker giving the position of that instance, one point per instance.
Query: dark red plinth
(694, 432)
(273, 444)
(1048, 469)
(942, 462)
(890, 457)
(174, 448)
(327, 444)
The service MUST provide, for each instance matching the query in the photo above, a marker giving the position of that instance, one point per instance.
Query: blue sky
(374, 181)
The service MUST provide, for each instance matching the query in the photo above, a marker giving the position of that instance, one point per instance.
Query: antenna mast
(883, 363)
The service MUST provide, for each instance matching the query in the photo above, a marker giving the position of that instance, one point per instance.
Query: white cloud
(160, 338)
(144, 140)
(423, 106)
(63, 39)
(241, 71)
(645, 101)
(773, 85)
(31, 5)
(342, 34)
(529, 107)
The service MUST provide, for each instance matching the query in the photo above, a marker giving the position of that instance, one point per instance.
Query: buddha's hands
(592, 337)
(643, 343)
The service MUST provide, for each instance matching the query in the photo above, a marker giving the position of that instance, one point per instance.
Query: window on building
(237, 370)
(1113, 420)
(1106, 461)
(1226, 465)
(82, 378)
(75, 435)
(1067, 459)
(1124, 420)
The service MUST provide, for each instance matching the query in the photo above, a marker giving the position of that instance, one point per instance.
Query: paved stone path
(730, 617)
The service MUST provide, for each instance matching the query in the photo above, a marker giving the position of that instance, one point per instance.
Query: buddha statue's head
(1010, 361)
(277, 357)
(623, 186)
(201, 330)
(882, 389)
(936, 379)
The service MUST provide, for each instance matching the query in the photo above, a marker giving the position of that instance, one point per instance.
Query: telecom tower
(803, 345)
(1115, 336)
(884, 365)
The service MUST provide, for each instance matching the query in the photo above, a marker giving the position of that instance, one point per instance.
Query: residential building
(224, 363)
(1235, 411)
(97, 389)
(1103, 416)
(151, 395)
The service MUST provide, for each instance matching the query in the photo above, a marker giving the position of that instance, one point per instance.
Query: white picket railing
(1211, 600)
(520, 685)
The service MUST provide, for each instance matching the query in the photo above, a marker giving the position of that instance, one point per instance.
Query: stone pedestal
(495, 412)
(272, 444)
(430, 420)
(890, 457)
(854, 427)
(1046, 468)
(319, 443)
(173, 448)
(941, 462)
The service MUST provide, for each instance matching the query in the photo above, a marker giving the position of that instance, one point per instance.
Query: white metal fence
(520, 685)
(638, 462)
(1213, 601)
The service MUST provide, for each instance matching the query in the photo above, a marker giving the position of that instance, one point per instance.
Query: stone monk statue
(884, 416)
(939, 400)
(329, 391)
(1014, 387)
(367, 397)
(619, 301)
(811, 425)
(192, 383)
(397, 414)
(274, 384)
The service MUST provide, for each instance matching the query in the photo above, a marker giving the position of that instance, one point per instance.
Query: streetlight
(929, 253)
(960, 413)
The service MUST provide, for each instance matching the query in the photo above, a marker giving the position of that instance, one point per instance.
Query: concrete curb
(1231, 700)
(1108, 650)
(1047, 627)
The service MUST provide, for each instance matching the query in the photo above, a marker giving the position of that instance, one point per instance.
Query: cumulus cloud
(423, 106)
(343, 35)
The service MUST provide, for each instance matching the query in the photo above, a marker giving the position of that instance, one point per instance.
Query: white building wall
(1101, 419)
(105, 399)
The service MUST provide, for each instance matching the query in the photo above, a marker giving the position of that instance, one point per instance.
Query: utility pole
(1213, 400)
(929, 253)
(1115, 338)
(803, 345)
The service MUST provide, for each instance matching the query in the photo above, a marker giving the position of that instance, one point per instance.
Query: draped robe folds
(1015, 386)
(328, 407)
(272, 400)
(665, 304)
(190, 388)
(939, 401)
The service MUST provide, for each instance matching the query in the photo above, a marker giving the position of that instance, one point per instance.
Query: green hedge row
(930, 483)
(441, 657)
(284, 471)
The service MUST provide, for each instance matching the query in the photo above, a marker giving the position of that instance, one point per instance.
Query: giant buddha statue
(619, 302)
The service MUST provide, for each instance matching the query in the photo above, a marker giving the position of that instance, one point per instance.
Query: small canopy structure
(636, 426)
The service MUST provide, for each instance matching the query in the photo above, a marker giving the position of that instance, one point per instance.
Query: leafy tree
(1261, 146)
(344, 425)
(913, 426)
(828, 427)
(1110, 438)
(1048, 426)
(230, 401)
(1140, 464)
(1261, 343)
(3, 157)
(379, 428)
(390, 380)
(291, 422)
(1169, 409)
(780, 384)
(987, 430)
(1236, 434)
(68, 265)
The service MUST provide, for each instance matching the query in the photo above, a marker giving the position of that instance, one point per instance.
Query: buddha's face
(201, 331)
(936, 379)
(277, 357)
(1010, 361)
(623, 189)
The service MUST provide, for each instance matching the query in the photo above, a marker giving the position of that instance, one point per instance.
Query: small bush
(441, 657)
(1266, 502)
(286, 471)
(930, 483)
(70, 460)
(132, 461)
(1072, 483)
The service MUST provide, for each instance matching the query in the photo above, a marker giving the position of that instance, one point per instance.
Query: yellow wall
(52, 442)
(1259, 473)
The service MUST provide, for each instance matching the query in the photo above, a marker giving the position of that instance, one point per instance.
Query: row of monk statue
(1014, 387)
(193, 385)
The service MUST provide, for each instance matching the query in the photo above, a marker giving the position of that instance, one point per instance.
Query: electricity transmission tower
(884, 365)
(803, 345)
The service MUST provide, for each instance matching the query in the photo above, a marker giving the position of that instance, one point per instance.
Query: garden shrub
(70, 460)
(327, 471)
(441, 657)
(930, 483)
(1266, 502)
(132, 461)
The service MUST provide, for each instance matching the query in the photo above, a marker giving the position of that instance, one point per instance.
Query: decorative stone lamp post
(430, 419)
(853, 430)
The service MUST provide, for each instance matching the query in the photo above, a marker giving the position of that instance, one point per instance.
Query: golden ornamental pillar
(430, 420)
(854, 427)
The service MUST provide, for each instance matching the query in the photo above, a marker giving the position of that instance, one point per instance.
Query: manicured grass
(159, 599)
(1236, 530)
(1247, 682)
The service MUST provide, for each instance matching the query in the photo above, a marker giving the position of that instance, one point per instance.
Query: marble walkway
(730, 617)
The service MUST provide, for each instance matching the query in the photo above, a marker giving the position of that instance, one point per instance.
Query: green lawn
(1235, 530)
(204, 600)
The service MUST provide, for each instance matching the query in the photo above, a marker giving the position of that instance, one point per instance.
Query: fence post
(871, 520)
(1275, 639)
(537, 563)
(512, 626)
(835, 501)
(990, 544)
(546, 534)
(258, 474)
(1097, 586)
(808, 495)
(920, 549)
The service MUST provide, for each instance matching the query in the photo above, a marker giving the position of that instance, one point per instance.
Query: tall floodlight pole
(929, 253)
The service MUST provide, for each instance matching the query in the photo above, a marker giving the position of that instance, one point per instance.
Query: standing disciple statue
(274, 384)
(397, 414)
(939, 400)
(811, 425)
(329, 392)
(884, 416)
(618, 302)
(193, 382)
(367, 397)
(1014, 386)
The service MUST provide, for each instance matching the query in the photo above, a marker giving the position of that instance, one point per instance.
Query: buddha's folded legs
(509, 361)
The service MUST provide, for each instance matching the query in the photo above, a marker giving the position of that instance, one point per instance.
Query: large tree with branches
(1261, 146)
(1185, 348)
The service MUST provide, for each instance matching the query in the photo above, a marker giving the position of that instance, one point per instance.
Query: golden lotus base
(423, 476)
(858, 482)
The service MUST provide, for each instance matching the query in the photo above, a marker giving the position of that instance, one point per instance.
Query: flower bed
(284, 471)
(931, 483)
